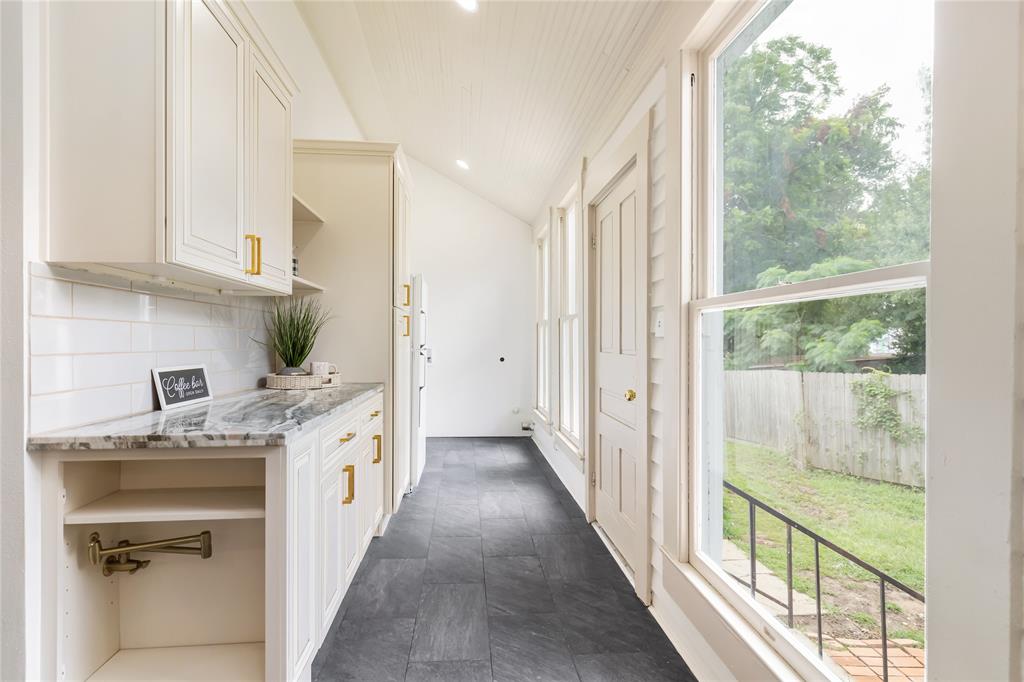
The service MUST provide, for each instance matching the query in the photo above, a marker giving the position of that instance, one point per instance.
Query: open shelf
(304, 287)
(207, 662)
(302, 212)
(171, 504)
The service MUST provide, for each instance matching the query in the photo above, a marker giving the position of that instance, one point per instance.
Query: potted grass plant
(293, 327)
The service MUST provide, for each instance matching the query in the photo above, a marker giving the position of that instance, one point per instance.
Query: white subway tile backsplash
(60, 410)
(180, 311)
(112, 304)
(58, 335)
(93, 346)
(111, 370)
(51, 297)
(213, 338)
(51, 373)
(180, 358)
(166, 337)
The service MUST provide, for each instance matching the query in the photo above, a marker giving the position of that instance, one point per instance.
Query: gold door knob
(350, 469)
(378, 449)
(630, 395)
(347, 437)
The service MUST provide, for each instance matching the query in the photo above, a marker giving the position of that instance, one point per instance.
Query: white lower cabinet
(302, 554)
(288, 528)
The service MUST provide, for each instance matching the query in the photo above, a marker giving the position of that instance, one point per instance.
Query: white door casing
(615, 193)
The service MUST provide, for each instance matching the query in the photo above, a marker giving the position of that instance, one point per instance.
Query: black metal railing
(754, 504)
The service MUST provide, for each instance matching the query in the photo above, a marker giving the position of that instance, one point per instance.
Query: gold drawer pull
(378, 449)
(252, 269)
(350, 469)
(347, 438)
(630, 395)
(408, 322)
(408, 294)
(259, 255)
(375, 413)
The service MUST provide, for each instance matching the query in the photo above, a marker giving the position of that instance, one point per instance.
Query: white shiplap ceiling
(515, 88)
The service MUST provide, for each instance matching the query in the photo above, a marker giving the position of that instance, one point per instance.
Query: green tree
(808, 194)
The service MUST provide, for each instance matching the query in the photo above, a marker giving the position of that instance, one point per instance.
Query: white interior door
(619, 447)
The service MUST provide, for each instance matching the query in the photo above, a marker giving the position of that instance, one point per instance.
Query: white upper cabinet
(170, 136)
(271, 173)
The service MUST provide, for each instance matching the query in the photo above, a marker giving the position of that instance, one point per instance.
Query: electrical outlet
(659, 324)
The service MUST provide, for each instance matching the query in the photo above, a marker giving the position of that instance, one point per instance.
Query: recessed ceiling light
(461, 164)
(468, 5)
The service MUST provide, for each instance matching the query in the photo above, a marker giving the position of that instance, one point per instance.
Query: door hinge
(593, 241)
(693, 79)
(593, 479)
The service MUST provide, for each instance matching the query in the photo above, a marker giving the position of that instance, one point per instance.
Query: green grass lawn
(881, 523)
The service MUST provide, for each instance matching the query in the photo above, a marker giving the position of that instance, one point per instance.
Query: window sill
(681, 581)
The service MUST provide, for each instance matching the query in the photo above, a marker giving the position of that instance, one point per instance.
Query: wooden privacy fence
(812, 416)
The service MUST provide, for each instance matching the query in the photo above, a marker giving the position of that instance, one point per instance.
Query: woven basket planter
(295, 382)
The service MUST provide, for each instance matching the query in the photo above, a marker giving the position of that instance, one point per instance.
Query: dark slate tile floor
(490, 572)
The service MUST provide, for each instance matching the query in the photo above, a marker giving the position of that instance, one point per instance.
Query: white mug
(322, 368)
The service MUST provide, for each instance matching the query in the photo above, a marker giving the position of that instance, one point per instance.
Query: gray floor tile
(565, 557)
(454, 560)
(516, 585)
(403, 539)
(449, 671)
(597, 618)
(632, 668)
(530, 648)
(391, 588)
(368, 649)
(461, 520)
(451, 624)
(506, 537)
(456, 493)
(500, 505)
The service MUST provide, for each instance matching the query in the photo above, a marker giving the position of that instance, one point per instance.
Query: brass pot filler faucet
(119, 558)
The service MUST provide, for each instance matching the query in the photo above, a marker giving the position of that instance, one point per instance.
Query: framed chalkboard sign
(181, 386)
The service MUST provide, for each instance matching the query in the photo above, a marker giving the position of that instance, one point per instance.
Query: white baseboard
(566, 464)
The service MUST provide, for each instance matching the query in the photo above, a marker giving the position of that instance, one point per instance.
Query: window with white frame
(570, 344)
(543, 330)
(808, 334)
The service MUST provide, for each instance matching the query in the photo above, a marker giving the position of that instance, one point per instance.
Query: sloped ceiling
(514, 89)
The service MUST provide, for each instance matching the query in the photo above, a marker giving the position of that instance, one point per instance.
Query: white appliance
(421, 359)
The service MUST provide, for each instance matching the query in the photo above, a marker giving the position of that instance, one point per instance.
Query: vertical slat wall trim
(657, 349)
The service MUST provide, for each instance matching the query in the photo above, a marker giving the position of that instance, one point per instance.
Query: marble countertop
(252, 418)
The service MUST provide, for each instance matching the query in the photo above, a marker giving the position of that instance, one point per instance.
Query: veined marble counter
(252, 418)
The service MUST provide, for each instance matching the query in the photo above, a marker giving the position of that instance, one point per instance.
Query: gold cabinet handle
(408, 294)
(375, 413)
(407, 323)
(347, 437)
(259, 256)
(252, 269)
(350, 469)
(378, 449)
(630, 395)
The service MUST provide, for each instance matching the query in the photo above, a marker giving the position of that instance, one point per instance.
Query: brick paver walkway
(862, 658)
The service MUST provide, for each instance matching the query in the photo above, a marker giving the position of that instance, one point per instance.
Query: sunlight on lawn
(881, 523)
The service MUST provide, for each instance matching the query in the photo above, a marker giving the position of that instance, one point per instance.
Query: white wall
(477, 261)
(319, 111)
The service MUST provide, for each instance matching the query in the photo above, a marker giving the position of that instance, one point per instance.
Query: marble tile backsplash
(92, 347)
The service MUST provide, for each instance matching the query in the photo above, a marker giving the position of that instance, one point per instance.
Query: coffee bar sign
(181, 386)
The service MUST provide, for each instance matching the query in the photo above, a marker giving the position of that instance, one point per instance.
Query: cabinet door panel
(208, 133)
(330, 548)
(399, 263)
(302, 497)
(270, 166)
(401, 407)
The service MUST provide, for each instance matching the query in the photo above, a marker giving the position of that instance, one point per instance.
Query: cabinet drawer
(371, 411)
(339, 434)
